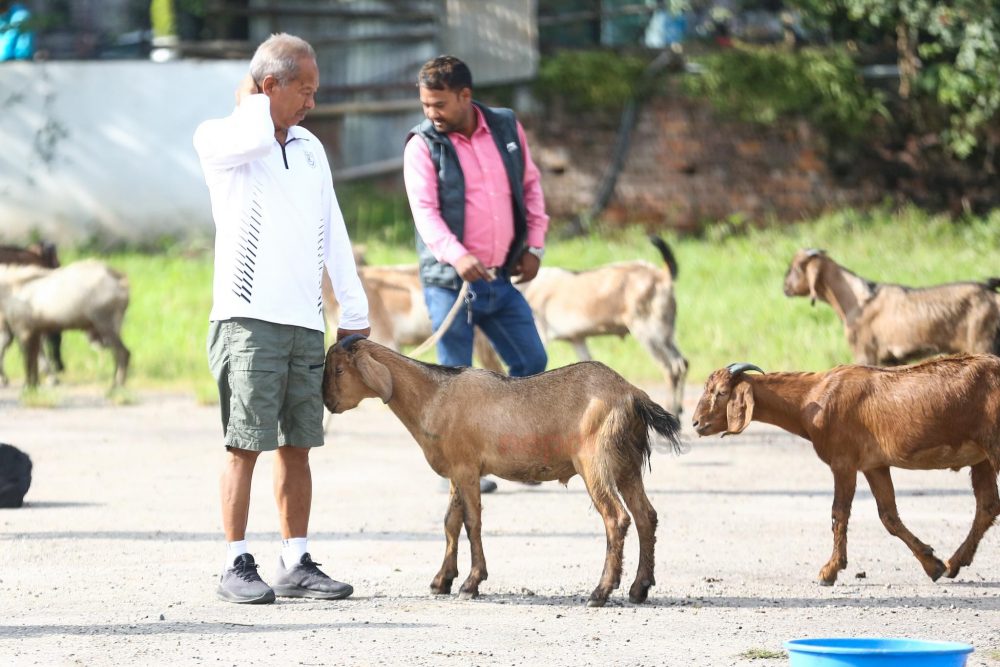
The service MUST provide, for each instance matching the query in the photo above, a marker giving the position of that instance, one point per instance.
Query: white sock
(292, 550)
(234, 550)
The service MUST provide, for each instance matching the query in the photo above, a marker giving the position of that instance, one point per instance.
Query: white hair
(279, 56)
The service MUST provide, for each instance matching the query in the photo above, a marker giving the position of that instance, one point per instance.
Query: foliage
(162, 17)
(766, 84)
(588, 80)
(958, 50)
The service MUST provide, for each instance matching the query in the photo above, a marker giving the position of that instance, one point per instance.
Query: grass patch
(762, 654)
(730, 302)
(993, 655)
(40, 397)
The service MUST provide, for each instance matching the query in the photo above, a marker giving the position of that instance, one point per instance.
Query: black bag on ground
(15, 476)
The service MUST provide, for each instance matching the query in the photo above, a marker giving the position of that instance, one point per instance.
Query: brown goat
(582, 419)
(37, 254)
(943, 413)
(891, 324)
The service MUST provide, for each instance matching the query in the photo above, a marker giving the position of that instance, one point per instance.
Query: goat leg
(616, 523)
(984, 485)
(880, 482)
(30, 347)
(441, 585)
(472, 510)
(844, 484)
(645, 524)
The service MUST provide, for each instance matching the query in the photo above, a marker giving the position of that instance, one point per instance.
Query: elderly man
(278, 224)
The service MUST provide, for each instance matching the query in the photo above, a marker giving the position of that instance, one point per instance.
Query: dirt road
(115, 557)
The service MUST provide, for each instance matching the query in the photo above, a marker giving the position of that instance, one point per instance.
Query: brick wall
(686, 166)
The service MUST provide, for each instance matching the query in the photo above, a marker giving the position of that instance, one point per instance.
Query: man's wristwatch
(537, 252)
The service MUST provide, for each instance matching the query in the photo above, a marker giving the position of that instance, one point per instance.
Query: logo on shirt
(310, 159)
(511, 147)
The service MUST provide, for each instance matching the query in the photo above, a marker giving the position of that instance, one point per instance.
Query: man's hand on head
(471, 269)
(344, 333)
(247, 87)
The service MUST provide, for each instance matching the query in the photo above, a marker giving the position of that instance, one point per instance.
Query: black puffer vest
(451, 190)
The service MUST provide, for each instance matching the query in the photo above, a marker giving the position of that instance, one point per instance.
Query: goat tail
(662, 428)
(667, 254)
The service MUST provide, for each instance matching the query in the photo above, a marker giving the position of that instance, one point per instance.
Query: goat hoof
(639, 592)
(937, 570)
(468, 595)
(596, 602)
(443, 589)
(827, 582)
(952, 569)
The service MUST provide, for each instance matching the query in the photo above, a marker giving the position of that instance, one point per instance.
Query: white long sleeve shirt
(277, 223)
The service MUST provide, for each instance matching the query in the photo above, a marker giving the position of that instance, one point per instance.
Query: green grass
(729, 292)
(762, 654)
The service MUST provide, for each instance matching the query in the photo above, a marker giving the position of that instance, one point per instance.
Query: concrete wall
(104, 148)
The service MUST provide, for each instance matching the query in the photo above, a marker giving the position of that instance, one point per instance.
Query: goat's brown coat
(943, 413)
(583, 419)
(892, 324)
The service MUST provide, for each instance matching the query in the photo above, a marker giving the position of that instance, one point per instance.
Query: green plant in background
(762, 654)
(767, 84)
(947, 52)
(583, 81)
(162, 18)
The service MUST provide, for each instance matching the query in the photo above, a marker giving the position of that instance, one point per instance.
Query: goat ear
(812, 275)
(739, 410)
(375, 376)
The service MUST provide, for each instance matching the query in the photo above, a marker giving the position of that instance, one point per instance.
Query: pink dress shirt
(489, 207)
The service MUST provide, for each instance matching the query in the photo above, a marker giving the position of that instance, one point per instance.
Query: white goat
(86, 295)
(890, 324)
(626, 297)
(582, 419)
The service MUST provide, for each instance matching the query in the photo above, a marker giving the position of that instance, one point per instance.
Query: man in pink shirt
(479, 211)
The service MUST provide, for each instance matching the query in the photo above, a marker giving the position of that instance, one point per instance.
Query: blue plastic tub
(864, 652)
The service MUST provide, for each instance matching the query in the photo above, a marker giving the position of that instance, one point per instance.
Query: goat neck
(414, 385)
(846, 292)
(781, 399)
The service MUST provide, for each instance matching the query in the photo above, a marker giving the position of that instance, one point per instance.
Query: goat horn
(736, 369)
(348, 342)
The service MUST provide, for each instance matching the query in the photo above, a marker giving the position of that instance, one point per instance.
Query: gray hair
(279, 56)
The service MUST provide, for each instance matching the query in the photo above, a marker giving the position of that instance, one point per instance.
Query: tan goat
(943, 413)
(85, 295)
(582, 419)
(626, 297)
(891, 324)
(397, 311)
(37, 254)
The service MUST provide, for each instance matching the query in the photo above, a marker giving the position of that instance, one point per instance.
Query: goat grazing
(891, 324)
(943, 413)
(582, 419)
(626, 297)
(37, 254)
(84, 295)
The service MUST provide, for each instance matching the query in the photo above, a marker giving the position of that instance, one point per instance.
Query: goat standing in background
(582, 419)
(943, 413)
(625, 297)
(86, 295)
(37, 254)
(891, 324)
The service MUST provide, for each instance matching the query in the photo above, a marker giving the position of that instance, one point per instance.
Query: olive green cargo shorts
(270, 379)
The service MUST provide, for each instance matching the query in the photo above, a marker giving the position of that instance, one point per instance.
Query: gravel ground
(115, 556)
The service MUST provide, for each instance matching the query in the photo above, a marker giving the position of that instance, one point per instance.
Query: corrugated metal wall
(369, 51)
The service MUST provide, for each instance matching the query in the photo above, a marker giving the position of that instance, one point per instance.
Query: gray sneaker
(241, 583)
(306, 580)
